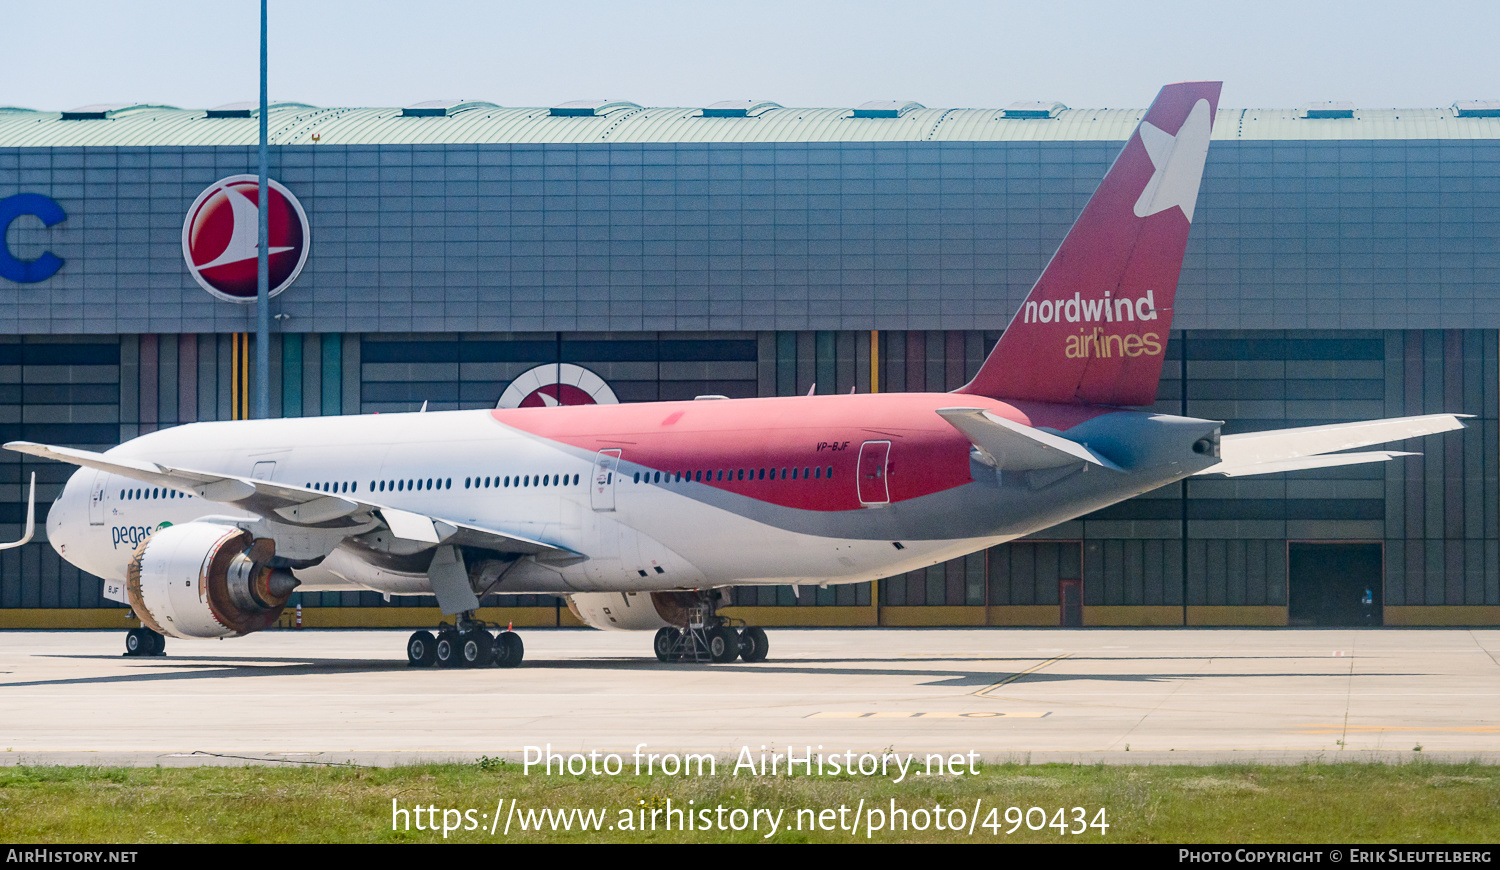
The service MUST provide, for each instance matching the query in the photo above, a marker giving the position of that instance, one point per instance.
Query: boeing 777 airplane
(637, 513)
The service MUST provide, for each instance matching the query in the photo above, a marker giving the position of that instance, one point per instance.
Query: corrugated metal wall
(1435, 514)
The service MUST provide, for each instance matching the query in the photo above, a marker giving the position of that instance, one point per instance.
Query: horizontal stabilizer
(1014, 447)
(1325, 460)
(1281, 449)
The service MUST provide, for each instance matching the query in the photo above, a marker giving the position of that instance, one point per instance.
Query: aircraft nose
(57, 516)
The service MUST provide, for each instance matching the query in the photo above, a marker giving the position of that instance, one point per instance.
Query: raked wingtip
(30, 518)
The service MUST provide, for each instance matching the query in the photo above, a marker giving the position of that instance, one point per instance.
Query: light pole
(263, 248)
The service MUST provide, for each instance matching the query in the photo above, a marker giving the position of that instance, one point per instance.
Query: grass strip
(1426, 803)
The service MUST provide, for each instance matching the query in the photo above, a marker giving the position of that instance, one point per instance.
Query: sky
(941, 53)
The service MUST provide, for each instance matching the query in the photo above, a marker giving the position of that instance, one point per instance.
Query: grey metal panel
(275, 370)
(861, 357)
(1154, 591)
(1432, 402)
(1023, 573)
(1434, 573)
(351, 374)
(1225, 529)
(1049, 560)
(48, 593)
(1255, 570)
(893, 590)
(29, 576)
(1112, 578)
(937, 584)
(847, 360)
(765, 344)
(807, 361)
(1415, 570)
(1335, 530)
(1276, 573)
(974, 353)
(1235, 556)
(1492, 572)
(67, 374)
(892, 362)
(786, 364)
(936, 344)
(208, 376)
(1142, 529)
(312, 375)
(130, 379)
(1453, 572)
(167, 381)
(1067, 531)
(1093, 572)
(1135, 572)
(10, 578)
(224, 358)
(1472, 576)
(67, 581)
(1216, 556)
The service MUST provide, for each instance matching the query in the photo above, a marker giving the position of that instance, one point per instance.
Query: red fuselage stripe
(751, 447)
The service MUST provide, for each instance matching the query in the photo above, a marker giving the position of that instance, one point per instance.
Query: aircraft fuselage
(653, 496)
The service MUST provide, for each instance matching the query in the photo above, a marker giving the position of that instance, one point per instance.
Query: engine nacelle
(633, 611)
(206, 580)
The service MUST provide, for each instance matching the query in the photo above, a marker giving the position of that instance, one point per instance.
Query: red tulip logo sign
(220, 234)
(553, 384)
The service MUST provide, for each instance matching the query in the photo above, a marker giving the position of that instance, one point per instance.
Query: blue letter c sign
(50, 213)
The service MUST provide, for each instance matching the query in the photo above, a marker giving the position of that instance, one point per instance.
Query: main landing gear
(709, 637)
(469, 644)
(144, 642)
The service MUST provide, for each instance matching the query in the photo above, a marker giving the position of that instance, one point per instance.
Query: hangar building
(1344, 264)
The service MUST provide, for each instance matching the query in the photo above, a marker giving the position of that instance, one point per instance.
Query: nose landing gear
(469, 644)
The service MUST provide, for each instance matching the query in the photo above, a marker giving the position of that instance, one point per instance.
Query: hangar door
(1334, 584)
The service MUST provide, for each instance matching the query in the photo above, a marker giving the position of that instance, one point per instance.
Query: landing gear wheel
(421, 650)
(754, 645)
(666, 640)
(447, 649)
(144, 642)
(476, 648)
(509, 650)
(723, 644)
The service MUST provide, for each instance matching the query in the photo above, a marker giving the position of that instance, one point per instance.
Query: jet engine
(635, 611)
(206, 580)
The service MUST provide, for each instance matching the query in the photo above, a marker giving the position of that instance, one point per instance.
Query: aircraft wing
(1316, 446)
(298, 506)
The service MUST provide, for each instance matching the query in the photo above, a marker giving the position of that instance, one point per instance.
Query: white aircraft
(639, 512)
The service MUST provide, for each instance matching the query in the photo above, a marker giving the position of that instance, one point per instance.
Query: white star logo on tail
(242, 239)
(1178, 161)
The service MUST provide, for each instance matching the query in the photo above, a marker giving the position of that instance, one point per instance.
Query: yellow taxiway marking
(1371, 729)
(904, 714)
(1013, 677)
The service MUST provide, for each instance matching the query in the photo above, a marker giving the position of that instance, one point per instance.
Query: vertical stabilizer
(1094, 328)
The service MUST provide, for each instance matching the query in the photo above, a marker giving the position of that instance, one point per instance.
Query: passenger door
(874, 459)
(96, 499)
(602, 484)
